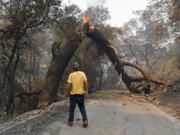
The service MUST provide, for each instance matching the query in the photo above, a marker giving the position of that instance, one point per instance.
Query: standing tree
(68, 30)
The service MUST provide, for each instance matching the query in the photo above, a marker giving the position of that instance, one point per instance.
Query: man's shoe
(70, 123)
(85, 123)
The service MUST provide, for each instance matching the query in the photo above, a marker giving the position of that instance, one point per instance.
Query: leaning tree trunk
(111, 53)
(61, 55)
(104, 44)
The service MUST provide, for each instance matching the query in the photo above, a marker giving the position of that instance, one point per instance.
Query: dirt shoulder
(170, 103)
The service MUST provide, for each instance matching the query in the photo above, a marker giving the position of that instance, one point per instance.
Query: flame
(87, 19)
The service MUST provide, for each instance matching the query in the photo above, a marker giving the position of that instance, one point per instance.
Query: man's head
(75, 66)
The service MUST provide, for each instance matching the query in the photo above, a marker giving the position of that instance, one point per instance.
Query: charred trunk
(111, 53)
(61, 55)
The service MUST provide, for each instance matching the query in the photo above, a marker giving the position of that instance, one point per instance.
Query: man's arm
(67, 89)
(86, 87)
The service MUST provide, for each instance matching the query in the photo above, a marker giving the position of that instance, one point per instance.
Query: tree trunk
(111, 53)
(29, 71)
(61, 55)
(119, 65)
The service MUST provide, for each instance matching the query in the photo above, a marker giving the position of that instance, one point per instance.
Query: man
(78, 80)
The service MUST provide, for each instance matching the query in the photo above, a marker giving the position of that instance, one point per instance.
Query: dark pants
(79, 99)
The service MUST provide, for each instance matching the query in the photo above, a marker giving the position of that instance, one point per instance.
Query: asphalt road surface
(117, 118)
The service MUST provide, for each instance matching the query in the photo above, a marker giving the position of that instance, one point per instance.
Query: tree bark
(29, 71)
(61, 55)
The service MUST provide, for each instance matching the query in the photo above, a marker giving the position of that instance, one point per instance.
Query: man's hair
(75, 66)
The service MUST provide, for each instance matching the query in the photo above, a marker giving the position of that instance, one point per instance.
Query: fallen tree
(119, 65)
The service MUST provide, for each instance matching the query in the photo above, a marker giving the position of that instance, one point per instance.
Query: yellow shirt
(77, 80)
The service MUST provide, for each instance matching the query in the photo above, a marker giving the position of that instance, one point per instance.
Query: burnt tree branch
(105, 45)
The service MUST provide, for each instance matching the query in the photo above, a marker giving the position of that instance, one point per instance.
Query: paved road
(118, 118)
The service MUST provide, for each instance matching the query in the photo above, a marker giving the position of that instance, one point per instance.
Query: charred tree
(105, 45)
(61, 55)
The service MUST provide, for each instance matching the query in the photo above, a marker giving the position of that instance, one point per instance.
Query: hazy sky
(120, 10)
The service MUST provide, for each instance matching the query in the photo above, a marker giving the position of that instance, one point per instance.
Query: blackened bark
(111, 53)
(61, 55)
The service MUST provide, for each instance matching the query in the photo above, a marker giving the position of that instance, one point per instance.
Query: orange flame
(87, 20)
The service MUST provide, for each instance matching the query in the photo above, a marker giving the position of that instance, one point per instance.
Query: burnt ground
(170, 102)
(31, 123)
